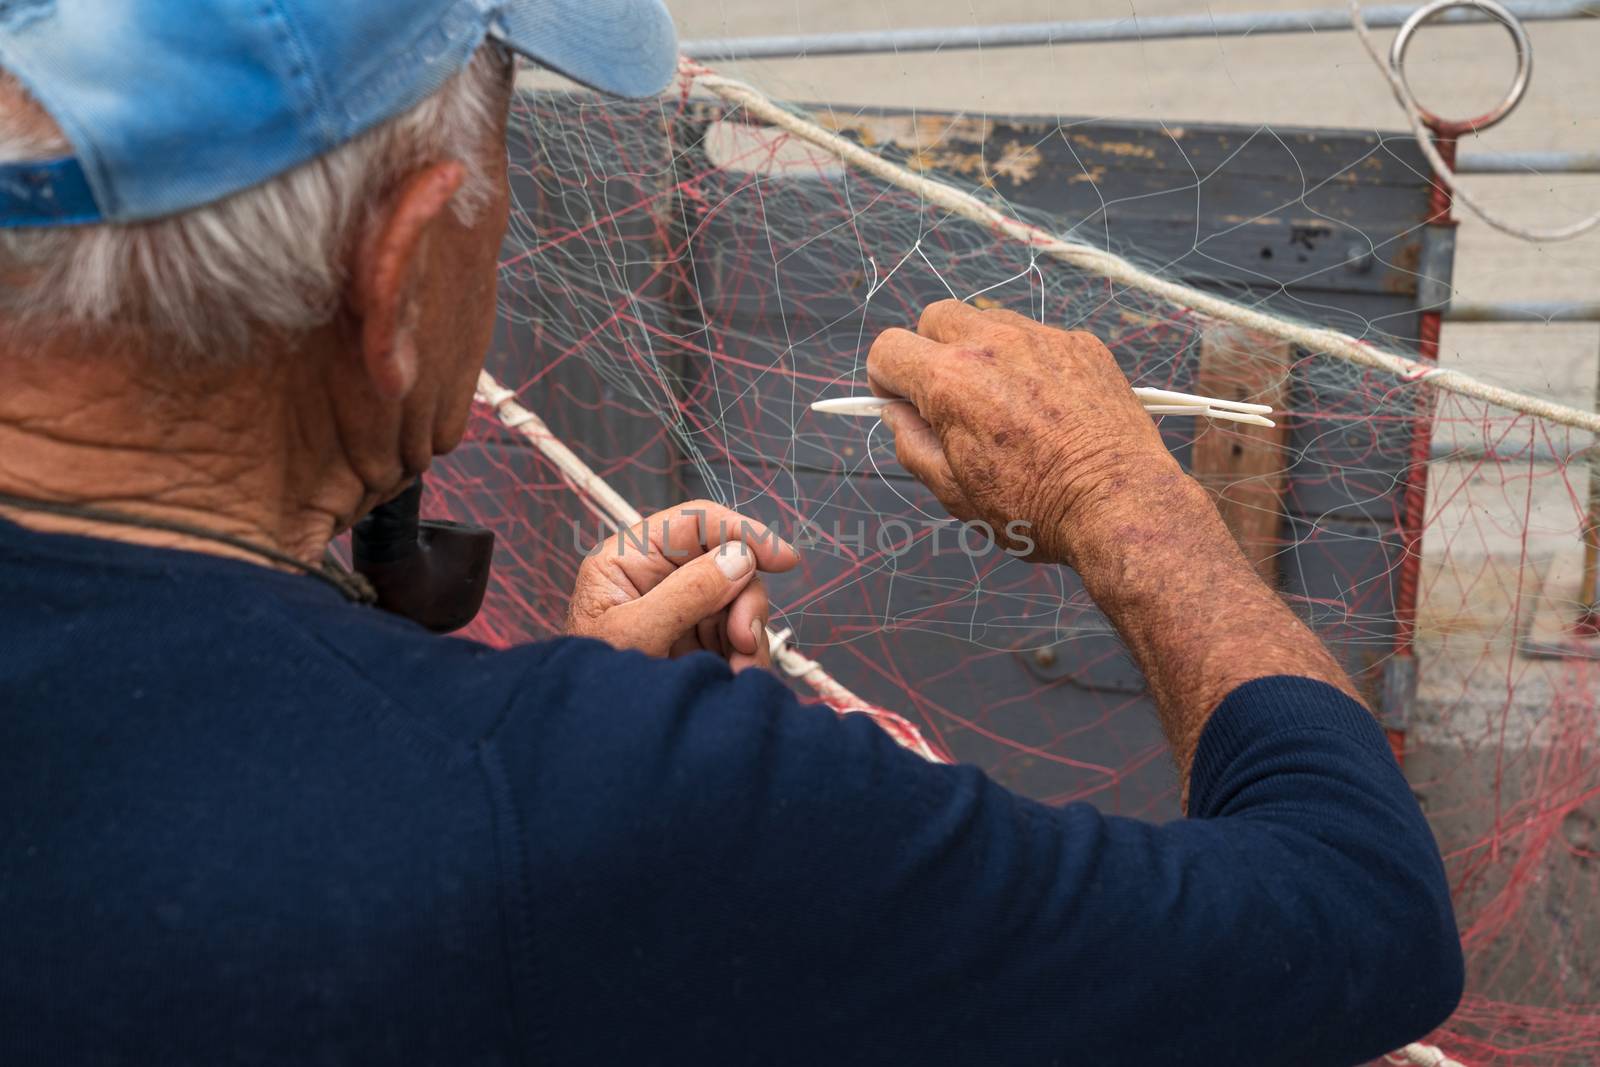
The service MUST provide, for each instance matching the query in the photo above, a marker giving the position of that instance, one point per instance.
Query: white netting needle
(862, 407)
(1248, 418)
(871, 407)
(1167, 396)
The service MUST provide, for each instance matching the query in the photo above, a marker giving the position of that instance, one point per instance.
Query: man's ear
(389, 266)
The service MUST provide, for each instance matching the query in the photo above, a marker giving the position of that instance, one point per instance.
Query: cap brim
(623, 47)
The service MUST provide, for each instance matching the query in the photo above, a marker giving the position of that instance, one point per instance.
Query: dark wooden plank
(1326, 210)
(1245, 467)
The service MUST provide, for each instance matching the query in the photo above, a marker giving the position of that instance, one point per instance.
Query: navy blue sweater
(244, 822)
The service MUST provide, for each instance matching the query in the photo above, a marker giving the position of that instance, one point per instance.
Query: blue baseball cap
(172, 104)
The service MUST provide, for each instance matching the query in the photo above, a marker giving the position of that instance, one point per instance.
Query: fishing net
(682, 279)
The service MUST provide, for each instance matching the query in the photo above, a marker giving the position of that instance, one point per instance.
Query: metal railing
(1528, 163)
(1091, 31)
(1532, 311)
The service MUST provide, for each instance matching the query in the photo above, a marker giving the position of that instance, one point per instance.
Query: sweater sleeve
(711, 871)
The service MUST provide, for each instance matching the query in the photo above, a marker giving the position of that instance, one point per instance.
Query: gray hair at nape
(268, 260)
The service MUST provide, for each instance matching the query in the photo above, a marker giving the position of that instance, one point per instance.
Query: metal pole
(1529, 163)
(1087, 31)
(1589, 618)
(1544, 311)
(1400, 673)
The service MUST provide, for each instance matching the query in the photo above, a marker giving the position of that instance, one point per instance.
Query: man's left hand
(683, 580)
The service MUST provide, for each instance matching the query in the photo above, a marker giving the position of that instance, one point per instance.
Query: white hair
(270, 258)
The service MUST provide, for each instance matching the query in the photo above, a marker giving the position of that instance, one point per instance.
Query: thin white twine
(1117, 269)
(1084, 257)
(1419, 129)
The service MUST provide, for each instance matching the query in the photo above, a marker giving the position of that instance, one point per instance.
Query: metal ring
(1519, 38)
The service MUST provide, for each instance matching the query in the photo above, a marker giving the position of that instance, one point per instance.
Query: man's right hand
(1011, 421)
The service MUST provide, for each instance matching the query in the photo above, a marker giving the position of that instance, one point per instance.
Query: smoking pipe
(430, 571)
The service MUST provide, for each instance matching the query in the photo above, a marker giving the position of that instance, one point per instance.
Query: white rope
(1114, 267)
(1419, 130)
(590, 485)
(577, 473)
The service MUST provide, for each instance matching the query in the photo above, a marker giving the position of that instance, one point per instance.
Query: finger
(1010, 317)
(763, 643)
(773, 554)
(749, 610)
(918, 450)
(762, 656)
(703, 526)
(640, 557)
(949, 321)
(739, 661)
(669, 539)
(902, 364)
(676, 605)
(709, 632)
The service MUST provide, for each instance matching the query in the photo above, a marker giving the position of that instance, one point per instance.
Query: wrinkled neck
(227, 449)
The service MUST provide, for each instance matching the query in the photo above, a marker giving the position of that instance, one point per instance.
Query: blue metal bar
(1134, 28)
(1524, 311)
(1528, 163)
